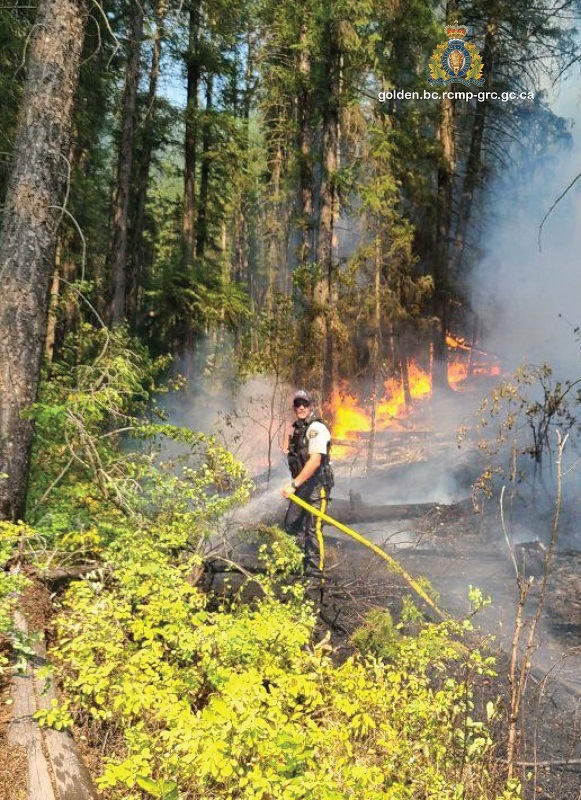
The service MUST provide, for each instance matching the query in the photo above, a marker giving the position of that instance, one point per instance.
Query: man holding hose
(310, 468)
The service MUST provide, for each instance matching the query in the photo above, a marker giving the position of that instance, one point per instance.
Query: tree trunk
(446, 172)
(446, 175)
(473, 172)
(376, 352)
(244, 253)
(305, 146)
(32, 215)
(191, 140)
(202, 222)
(138, 262)
(324, 294)
(119, 249)
(52, 309)
(405, 380)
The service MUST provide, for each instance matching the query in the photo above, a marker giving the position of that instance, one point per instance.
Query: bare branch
(557, 201)
(505, 531)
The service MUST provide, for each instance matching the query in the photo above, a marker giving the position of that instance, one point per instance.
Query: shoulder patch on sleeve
(312, 433)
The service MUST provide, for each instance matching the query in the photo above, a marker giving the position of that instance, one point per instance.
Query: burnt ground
(454, 548)
(13, 761)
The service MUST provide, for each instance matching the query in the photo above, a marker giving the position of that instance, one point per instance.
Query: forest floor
(13, 760)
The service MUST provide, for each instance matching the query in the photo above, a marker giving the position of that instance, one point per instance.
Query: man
(308, 461)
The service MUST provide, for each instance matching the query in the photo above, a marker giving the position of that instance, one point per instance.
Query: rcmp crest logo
(456, 61)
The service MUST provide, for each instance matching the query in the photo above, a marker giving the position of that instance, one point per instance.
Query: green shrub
(378, 635)
(11, 585)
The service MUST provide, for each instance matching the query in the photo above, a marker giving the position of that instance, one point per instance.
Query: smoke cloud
(527, 287)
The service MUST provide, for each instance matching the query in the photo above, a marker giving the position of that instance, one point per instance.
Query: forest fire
(466, 361)
(352, 422)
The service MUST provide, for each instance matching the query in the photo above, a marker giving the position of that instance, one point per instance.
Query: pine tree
(32, 214)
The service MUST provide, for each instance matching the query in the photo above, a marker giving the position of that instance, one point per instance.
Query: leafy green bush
(98, 467)
(378, 635)
(10, 587)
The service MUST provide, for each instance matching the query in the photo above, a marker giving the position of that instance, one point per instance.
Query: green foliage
(11, 585)
(100, 468)
(270, 347)
(478, 600)
(164, 790)
(378, 636)
(182, 301)
(57, 716)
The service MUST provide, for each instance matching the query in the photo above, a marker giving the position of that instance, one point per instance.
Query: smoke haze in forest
(528, 298)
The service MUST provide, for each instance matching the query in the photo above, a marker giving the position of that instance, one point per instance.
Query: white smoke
(527, 287)
(250, 418)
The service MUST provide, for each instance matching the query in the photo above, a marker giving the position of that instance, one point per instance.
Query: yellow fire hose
(394, 565)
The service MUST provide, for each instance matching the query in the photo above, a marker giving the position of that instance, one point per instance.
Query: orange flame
(352, 422)
(457, 342)
(457, 373)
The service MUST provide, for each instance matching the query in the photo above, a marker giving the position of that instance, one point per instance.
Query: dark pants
(308, 528)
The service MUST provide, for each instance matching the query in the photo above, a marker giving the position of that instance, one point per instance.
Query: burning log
(357, 421)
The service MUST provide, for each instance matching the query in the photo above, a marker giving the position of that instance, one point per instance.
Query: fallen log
(70, 777)
(24, 732)
(354, 510)
(59, 576)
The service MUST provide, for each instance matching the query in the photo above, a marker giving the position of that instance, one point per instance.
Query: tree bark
(325, 292)
(473, 172)
(52, 310)
(305, 146)
(119, 249)
(242, 273)
(32, 215)
(191, 140)
(202, 221)
(446, 175)
(376, 351)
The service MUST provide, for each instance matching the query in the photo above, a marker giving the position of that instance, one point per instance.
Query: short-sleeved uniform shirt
(318, 437)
